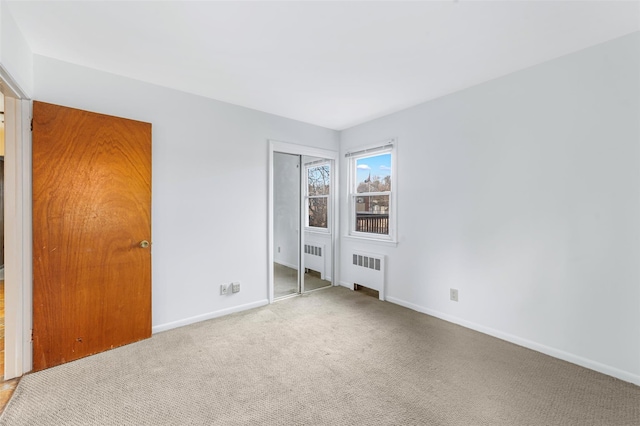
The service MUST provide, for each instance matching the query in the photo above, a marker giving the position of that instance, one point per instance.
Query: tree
(375, 184)
(319, 181)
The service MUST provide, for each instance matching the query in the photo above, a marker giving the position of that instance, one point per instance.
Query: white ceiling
(334, 64)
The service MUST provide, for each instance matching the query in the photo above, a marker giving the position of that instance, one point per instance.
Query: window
(317, 194)
(372, 192)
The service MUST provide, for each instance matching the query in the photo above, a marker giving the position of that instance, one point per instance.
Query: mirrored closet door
(302, 214)
(286, 224)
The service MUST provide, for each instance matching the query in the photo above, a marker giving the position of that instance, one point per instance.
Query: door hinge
(32, 334)
(32, 124)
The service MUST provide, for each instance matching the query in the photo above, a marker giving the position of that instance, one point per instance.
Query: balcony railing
(374, 223)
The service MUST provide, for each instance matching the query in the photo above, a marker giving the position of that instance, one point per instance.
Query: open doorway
(301, 227)
(6, 386)
(16, 200)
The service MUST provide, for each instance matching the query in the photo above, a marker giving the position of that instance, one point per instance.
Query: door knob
(144, 244)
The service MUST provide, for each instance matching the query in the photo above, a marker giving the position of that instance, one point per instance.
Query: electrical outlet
(223, 289)
(235, 287)
(453, 294)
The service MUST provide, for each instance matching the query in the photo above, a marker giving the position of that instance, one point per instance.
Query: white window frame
(307, 197)
(352, 156)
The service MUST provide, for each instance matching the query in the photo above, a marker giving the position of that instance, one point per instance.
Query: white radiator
(367, 270)
(314, 257)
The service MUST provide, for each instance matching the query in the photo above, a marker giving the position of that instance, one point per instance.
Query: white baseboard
(346, 284)
(556, 353)
(207, 316)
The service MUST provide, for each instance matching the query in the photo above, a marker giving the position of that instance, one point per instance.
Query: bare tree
(319, 181)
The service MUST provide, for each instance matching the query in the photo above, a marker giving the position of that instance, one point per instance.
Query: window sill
(317, 231)
(369, 240)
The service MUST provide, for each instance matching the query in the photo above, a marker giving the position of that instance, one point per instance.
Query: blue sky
(379, 165)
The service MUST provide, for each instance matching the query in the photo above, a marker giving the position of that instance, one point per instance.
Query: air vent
(367, 262)
(313, 250)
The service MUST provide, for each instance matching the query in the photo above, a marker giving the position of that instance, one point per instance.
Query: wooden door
(91, 211)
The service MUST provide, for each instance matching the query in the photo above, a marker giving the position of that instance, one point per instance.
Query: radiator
(367, 270)
(314, 257)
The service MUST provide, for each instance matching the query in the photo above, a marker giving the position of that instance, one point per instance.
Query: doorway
(11, 333)
(17, 228)
(301, 227)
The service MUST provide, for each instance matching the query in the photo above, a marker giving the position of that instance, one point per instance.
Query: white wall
(210, 169)
(16, 57)
(524, 194)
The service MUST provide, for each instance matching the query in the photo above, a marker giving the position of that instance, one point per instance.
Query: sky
(378, 165)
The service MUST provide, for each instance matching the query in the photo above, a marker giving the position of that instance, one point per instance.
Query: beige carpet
(334, 357)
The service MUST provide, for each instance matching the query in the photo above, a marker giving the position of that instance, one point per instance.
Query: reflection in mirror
(317, 250)
(286, 223)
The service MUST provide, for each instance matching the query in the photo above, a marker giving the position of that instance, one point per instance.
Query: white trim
(316, 230)
(372, 150)
(27, 242)
(9, 87)
(392, 237)
(295, 149)
(317, 162)
(210, 315)
(18, 255)
(547, 350)
(306, 197)
(367, 240)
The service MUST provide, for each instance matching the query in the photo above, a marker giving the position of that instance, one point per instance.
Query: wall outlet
(223, 289)
(235, 287)
(453, 294)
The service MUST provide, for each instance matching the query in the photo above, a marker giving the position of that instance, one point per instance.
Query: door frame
(295, 149)
(18, 257)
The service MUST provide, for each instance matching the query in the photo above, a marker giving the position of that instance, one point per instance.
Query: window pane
(318, 180)
(372, 214)
(373, 174)
(318, 212)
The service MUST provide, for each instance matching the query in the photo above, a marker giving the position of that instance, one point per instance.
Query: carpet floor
(334, 357)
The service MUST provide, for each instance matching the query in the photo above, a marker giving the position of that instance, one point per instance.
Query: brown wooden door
(91, 210)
